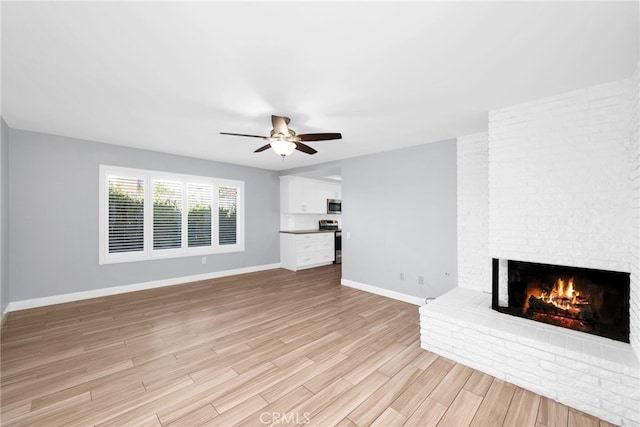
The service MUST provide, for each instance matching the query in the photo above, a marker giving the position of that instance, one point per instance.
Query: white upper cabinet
(331, 191)
(306, 196)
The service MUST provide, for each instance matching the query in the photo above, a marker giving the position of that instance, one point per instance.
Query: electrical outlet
(420, 280)
(204, 259)
(401, 276)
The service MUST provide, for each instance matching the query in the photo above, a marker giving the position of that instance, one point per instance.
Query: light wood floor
(273, 347)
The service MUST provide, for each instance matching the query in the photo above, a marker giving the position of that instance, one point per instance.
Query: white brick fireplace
(554, 181)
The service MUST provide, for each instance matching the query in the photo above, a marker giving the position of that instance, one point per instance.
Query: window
(167, 214)
(126, 214)
(227, 218)
(200, 201)
(149, 215)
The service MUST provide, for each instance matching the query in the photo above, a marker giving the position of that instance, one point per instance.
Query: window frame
(148, 252)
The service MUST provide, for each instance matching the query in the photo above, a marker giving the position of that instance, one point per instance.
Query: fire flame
(562, 295)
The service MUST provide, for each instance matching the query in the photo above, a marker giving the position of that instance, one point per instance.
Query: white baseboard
(383, 292)
(97, 293)
(4, 315)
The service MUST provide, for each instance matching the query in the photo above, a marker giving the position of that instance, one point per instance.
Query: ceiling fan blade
(319, 136)
(280, 124)
(264, 147)
(305, 148)
(243, 134)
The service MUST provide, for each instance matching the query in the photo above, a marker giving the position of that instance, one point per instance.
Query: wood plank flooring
(267, 348)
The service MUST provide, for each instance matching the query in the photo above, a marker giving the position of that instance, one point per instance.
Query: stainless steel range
(332, 224)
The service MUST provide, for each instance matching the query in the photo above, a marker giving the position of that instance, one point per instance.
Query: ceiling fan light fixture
(283, 147)
(284, 140)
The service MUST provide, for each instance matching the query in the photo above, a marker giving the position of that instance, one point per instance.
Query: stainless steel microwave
(334, 206)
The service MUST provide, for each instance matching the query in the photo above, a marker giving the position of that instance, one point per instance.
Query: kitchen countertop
(307, 231)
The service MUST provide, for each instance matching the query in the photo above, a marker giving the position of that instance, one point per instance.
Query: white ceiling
(169, 76)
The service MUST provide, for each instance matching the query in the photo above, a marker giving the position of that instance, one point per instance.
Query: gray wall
(53, 203)
(4, 216)
(400, 209)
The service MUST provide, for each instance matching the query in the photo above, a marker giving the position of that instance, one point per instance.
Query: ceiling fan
(284, 140)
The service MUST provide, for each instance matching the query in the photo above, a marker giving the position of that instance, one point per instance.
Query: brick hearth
(593, 374)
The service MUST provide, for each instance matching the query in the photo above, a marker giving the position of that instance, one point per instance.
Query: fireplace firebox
(585, 300)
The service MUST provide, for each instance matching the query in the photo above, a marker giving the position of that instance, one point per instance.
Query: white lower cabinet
(298, 251)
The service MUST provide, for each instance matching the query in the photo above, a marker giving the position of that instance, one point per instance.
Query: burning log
(580, 309)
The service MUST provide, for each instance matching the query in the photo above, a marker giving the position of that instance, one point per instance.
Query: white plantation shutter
(147, 214)
(167, 214)
(200, 203)
(126, 214)
(227, 215)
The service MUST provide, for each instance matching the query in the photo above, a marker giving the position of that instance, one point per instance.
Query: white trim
(411, 299)
(97, 293)
(4, 315)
